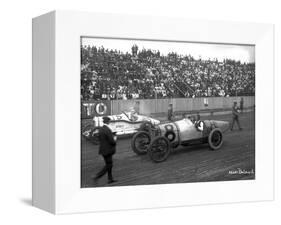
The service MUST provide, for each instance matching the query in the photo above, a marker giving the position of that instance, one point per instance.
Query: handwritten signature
(241, 171)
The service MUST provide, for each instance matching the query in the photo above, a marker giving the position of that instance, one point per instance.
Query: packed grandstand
(147, 74)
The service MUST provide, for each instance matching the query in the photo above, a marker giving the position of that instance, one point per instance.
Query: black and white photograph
(166, 112)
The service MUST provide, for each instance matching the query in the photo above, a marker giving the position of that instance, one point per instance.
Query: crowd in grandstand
(144, 74)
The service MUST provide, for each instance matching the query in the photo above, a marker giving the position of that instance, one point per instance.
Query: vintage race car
(159, 140)
(125, 123)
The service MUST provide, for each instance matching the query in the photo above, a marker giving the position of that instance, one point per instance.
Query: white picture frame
(56, 112)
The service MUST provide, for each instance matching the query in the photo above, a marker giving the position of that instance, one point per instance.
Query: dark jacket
(235, 112)
(107, 142)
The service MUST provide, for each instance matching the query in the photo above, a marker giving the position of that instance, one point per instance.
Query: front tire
(90, 133)
(215, 139)
(159, 149)
(140, 142)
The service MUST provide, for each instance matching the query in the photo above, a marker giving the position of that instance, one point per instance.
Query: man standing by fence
(241, 104)
(170, 112)
(235, 116)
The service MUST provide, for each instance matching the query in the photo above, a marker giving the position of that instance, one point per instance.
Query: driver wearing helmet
(199, 124)
(134, 115)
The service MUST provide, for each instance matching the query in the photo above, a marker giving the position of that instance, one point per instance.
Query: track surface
(185, 164)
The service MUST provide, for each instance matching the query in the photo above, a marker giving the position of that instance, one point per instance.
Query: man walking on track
(235, 116)
(107, 149)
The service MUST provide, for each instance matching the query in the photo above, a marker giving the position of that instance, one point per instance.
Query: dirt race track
(234, 161)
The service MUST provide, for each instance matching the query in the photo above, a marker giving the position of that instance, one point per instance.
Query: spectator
(144, 74)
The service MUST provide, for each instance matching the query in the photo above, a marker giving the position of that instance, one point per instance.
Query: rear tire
(140, 142)
(159, 149)
(215, 139)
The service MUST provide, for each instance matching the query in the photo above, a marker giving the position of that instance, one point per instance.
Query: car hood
(223, 125)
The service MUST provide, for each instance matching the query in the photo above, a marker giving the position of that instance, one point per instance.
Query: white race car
(159, 141)
(125, 123)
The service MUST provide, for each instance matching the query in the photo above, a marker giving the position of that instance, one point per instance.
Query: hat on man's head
(106, 119)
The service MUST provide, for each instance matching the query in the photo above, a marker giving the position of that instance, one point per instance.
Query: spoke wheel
(215, 139)
(159, 149)
(140, 142)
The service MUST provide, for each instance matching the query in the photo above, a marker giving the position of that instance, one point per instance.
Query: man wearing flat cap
(107, 149)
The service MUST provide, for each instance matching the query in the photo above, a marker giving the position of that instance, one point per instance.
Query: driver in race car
(199, 124)
(134, 115)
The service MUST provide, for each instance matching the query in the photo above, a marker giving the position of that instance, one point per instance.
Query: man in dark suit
(107, 149)
(235, 116)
